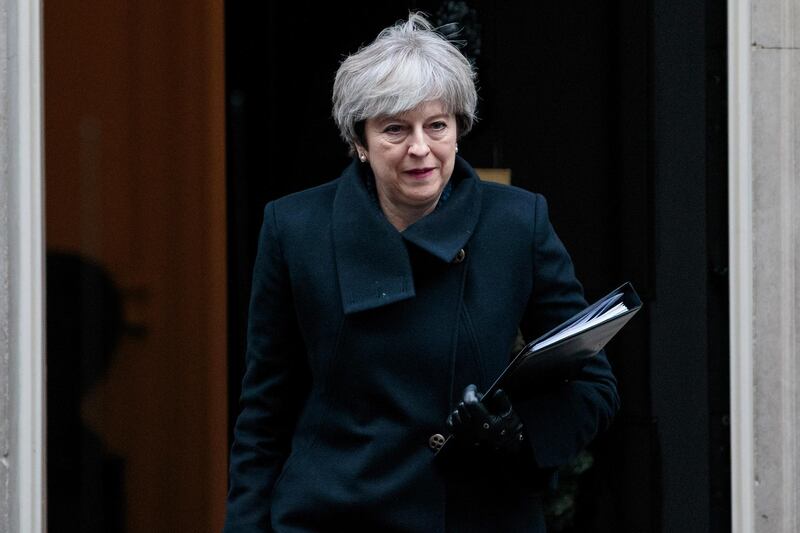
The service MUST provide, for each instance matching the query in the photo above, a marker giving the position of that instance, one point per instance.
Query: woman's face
(412, 157)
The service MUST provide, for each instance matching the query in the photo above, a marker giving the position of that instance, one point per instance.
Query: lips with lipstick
(421, 172)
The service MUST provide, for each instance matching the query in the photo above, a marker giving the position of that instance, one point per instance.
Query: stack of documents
(610, 309)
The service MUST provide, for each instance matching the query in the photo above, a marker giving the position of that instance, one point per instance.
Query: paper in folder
(560, 353)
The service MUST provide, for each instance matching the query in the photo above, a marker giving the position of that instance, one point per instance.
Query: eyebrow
(391, 118)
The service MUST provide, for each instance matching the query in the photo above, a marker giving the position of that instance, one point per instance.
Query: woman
(378, 298)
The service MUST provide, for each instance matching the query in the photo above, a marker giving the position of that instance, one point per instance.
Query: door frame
(740, 238)
(23, 128)
(26, 273)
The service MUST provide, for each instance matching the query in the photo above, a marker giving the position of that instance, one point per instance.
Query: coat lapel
(445, 231)
(372, 261)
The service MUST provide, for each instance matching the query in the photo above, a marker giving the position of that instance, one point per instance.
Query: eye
(393, 129)
(438, 125)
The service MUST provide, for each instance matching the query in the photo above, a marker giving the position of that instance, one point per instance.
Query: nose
(418, 144)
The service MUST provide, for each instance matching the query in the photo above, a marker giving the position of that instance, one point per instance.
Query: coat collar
(372, 261)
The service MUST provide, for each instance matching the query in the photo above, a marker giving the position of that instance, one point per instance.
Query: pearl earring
(456, 148)
(362, 157)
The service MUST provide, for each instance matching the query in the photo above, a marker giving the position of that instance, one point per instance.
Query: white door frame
(26, 264)
(740, 235)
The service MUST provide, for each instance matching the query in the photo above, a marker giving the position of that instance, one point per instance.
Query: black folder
(533, 367)
(560, 353)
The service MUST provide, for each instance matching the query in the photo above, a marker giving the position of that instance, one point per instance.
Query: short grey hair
(407, 64)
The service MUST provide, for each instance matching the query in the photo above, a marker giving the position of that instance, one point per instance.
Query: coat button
(459, 256)
(436, 442)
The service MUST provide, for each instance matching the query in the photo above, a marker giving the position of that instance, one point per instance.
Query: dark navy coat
(360, 341)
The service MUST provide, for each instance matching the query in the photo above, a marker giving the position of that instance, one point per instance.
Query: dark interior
(615, 111)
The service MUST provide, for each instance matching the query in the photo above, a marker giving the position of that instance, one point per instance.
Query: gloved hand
(492, 424)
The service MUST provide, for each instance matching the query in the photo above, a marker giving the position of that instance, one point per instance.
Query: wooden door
(135, 188)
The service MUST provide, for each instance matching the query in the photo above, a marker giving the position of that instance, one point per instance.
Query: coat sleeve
(274, 386)
(563, 419)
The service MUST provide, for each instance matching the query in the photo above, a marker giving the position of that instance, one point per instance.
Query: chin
(422, 201)
(425, 191)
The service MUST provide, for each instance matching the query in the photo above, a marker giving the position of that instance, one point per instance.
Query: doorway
(589, 105)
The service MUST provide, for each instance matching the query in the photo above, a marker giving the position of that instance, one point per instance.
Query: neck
(403, 217)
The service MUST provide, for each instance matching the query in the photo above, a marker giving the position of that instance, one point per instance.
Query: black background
(615, 111)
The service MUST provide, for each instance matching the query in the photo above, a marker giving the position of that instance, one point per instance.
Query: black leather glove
(492, 424)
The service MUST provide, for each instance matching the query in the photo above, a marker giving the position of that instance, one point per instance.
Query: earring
(362, 157)
(456, 148)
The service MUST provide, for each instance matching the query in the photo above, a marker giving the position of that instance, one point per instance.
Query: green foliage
(560, 505)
